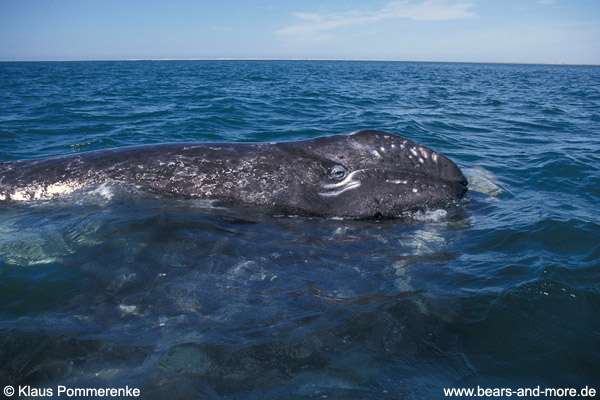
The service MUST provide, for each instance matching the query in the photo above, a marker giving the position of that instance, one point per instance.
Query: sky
(527, 31)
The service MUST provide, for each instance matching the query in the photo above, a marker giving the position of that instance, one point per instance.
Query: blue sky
(543, 31)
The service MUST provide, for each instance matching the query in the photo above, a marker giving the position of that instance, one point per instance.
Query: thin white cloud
(316, 25)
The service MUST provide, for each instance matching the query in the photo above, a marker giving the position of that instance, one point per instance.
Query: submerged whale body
(366, 173)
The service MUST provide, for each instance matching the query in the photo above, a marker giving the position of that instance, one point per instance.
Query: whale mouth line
(351, 185)
(346, 181)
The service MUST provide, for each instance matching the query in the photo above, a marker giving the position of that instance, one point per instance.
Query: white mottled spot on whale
(61, 188)
(19, 195)
(421, 160)
(382, 149)
(415, 190)
(413, 151)
(423, 152)
(434, 157)
(376, 153)
(39, 192)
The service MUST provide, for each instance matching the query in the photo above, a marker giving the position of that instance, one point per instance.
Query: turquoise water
(116, 287)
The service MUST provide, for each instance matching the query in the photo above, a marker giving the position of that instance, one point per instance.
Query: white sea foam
(105, 191)
(483, 181)
(430, 215)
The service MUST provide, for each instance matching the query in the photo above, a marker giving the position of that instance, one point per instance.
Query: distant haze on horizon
(523, 31)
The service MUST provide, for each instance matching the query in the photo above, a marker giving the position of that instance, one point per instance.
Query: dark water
(113, 287)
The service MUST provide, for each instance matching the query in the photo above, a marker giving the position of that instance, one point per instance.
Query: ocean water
(113, 287)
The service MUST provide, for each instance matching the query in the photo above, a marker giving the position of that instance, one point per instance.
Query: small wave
(527, 126)
(95, 143)
(37, 247)
(455, 127)
(494, 103)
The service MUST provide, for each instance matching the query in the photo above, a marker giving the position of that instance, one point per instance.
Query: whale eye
(338, 172)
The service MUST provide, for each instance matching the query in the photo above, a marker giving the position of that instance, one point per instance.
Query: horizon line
(302, 59)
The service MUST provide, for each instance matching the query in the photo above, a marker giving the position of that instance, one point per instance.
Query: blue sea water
(114, 287)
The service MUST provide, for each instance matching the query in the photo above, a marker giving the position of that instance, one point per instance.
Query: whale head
(372, 173)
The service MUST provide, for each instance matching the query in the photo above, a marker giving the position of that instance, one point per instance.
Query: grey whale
(362, 174)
